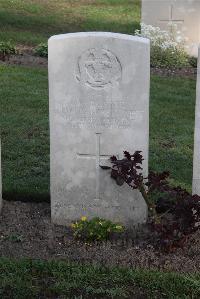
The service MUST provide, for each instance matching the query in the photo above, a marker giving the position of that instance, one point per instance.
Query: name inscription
(107, 115)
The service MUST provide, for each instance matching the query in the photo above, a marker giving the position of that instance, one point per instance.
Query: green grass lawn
(40, 279)
(25, 130)
(33, 21)
(172, 115)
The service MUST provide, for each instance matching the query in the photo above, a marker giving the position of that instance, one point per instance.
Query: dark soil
(28, 60)
(26, 231)
(189, 72)
(26, 57)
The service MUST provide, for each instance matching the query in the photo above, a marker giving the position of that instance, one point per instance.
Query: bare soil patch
(26, 60)
(26, 57)
(188, 72)
(26, 231)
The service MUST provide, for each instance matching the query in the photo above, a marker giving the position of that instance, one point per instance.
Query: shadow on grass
(18, 27)
(26, 197)
(49, 23)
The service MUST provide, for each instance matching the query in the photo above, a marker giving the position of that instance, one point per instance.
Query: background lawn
(33, 21)
(25, 134)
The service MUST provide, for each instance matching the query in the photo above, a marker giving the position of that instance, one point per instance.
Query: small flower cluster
(6, 49)
(42, 50)
(96, 229)
(167, 48)
(162, 38)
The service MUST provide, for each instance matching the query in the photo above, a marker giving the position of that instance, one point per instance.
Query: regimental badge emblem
(99, 68)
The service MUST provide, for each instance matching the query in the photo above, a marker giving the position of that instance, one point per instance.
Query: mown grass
(51, 279)
(172, 118)
(25, 130)
(33, 21)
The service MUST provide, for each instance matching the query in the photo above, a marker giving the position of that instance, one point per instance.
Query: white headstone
(99, 107)
(184, 13)
(196, 160)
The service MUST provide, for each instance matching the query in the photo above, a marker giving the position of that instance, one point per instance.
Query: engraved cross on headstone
(170, 21)
(98, 156)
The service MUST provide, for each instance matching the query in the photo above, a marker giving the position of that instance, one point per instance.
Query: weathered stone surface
(184, 13)
(196, 160)
(99, 107)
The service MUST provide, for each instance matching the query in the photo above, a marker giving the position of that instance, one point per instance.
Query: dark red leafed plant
(173, 212)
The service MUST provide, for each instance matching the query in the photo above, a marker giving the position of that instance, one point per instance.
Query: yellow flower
(84, 218)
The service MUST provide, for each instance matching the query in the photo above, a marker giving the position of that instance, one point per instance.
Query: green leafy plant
(193, 61)
(169, 58)
(96, 229)
(6, 49)
(167, 48)
(173, 212)
(14, 238)
(42, 50)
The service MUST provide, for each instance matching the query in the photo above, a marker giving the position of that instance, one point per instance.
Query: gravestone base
(196, 186)
(131, 211)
